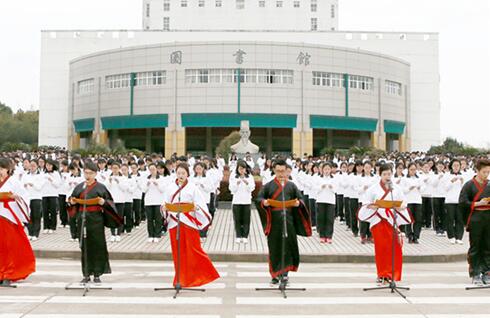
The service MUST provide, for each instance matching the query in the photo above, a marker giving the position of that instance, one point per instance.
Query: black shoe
(97, 280)
(274, 282)
(415, 241)
(85, 280)
(477, 280)
(5, 282)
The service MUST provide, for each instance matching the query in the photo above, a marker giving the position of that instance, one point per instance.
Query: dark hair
(279, 162)
(53, 163)
(408, 167)
(452, 163)
(243, 164)
(385, 167)
(90, 165)
(358, 163)
(482, 163)
(5, 163)
(367, 163)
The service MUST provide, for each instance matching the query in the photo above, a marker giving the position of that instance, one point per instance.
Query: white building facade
(390, 101)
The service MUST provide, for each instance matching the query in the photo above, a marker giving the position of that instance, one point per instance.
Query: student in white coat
(205, 184)
(367, 179)
(137, 193)
(33, 183)
(438, 199)
(128, 204)
(354, 184)
(116, 183)
(426, 177)
(453, 184)
(241, 185)
(326, 186)
(50, 192)
(154, 188)
(412, 186)
(74, 179)
(63, 193)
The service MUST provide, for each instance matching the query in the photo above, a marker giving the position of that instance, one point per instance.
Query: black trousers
(413, 230)
(313, 211)
(306, 199)
(50, 211)
(120, 212)
(347, 211)
(128, 217)
(143, 208)
(137, 211)
(353, 207)
(75, 226)
(241, 217)
(154, 221)
(63, 211)
(339, 206)
(212, 209)
(439, 214)
(326, 219)
(454, 221)
(34, 227)
(479, 252)
(427, 211)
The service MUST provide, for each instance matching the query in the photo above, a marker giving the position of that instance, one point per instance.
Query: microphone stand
(86, 285)
(178, 287)
(283, 284)
(392, 284)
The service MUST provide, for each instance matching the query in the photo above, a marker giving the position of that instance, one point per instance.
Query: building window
(314, 24)
(219, 3)
(393, 88)
(361, 82)
(332, 11)
(166, 5)
(328, 79)
(166, 23)
(296, 4)
(86, 86)
(262, 4)
(278, 4)
(183, 3)
(117, 81)
(240, 4)
(314, 5)
(147, 10)
(201, 4)
(251, 76)
(150, 78)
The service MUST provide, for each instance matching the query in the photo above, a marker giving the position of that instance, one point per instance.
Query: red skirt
(196, 268)
(17, 259)
(383, 239)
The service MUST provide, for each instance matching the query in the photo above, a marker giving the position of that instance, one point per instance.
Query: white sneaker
(113, 238)
(150, 240)
(118, 238)
(71, 240)
(238, 241)
(460, 242)
(35, 239)
(45, 231)
(156, 239)
(245, 241)
(50, 231)
(77, 240)
(452, 240)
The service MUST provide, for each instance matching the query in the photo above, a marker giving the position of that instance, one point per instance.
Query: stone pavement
(333, 290)
(221, 245)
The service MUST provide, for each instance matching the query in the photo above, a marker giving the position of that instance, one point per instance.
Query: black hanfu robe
(97, 216)
(298, 223)
(478, 225)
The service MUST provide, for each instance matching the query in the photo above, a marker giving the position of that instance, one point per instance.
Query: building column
(75, 141)
(148, 140)
(209, 141)
(181, 144)
(102, 138)
(307, 142)
(401, 143)
(297, 142)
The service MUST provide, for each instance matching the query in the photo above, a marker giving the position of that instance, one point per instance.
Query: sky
(464, 47)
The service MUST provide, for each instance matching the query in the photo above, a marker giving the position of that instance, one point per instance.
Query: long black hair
(243, 164)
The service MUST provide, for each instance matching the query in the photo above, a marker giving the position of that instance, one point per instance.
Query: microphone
(389, 184)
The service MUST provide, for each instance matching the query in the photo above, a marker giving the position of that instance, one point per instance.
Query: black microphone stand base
(282, 288)
(86, 287)
(178, 288)
(477, 287)
(392, 286)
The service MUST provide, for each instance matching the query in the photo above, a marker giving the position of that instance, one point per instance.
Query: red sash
(192, 218)
(480, 189)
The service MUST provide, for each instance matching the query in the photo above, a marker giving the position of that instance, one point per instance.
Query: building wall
(229, 17)
(418, 49)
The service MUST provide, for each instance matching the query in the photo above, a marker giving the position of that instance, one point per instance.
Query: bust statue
(244, 145)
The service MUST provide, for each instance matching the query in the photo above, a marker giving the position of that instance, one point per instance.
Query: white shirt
(453, 189)
(117, 186)
(326, 189)
(19, 207)
(413, 196)
(34, 191)
(205, 185)
(52, 184)
(242, 193)
(154, 190)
